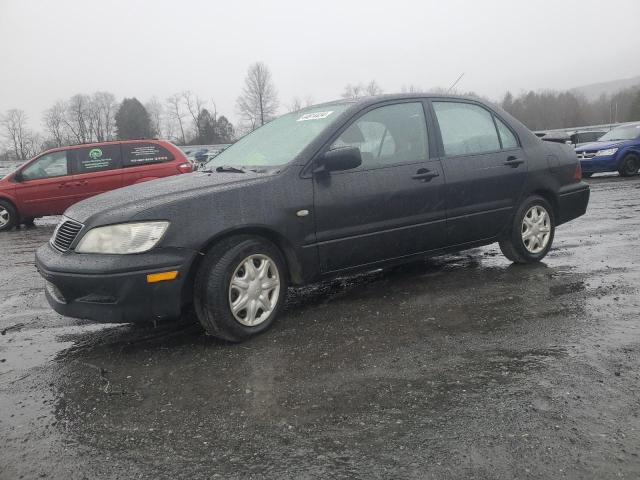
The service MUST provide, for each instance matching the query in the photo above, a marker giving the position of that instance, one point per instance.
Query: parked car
(554, 136)
(329, 190)
(580, 138)
(57, 178)
(618, 149)
(201, 154)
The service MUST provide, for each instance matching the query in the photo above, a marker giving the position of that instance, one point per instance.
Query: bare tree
(295, 105)
(156, 114)
(53, 120)
(411, 88)
(258, 102)
(78, 119)
(298, 104)
(101, 112)
(194, 106)
(373, 88)
(353, 91)
(16, 132)
(176, 114)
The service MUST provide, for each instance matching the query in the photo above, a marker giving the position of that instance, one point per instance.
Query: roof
(363, 101)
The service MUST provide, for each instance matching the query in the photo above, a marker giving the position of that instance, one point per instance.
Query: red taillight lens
(185, 168)
(577, 176)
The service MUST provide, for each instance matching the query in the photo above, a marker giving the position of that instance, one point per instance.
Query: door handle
(425, 174)
(513, 161)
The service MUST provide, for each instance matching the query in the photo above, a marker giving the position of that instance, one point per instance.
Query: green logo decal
(95, 153)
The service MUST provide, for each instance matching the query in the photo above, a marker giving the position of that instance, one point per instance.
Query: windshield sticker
(314, 116)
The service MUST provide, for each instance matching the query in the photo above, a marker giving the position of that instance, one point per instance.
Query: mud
(463, 366)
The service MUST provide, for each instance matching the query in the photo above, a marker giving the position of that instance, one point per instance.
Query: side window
(97, 159)
(47, 166)
(388, 135)
(466, 129)
(506, 135)
(143, 153)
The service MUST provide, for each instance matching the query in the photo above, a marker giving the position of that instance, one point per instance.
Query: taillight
(577, 175)
(185, 168)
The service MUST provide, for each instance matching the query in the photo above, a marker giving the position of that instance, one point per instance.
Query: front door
(393, 204)
(485, 170)
(46, 186)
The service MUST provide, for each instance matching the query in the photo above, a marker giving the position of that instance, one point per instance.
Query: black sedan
(332, 189)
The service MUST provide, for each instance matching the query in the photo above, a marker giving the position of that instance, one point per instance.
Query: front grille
(585, 155)
(65, 233)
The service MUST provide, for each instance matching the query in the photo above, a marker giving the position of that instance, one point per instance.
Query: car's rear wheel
(629, 165)
(240, 288)
(8, 215)
(531, 233)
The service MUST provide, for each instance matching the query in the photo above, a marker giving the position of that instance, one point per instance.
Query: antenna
(456, 82)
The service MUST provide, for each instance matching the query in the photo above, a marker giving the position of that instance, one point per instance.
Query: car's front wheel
(531, 234)
(240, 288)
(8, 215)
(629, 165)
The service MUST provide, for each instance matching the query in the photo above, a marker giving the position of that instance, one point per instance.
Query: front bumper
(114, 288)
(599, 164)
(572, 201)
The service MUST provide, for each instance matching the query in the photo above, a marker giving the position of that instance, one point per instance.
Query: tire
(214, 294)
(629, 165)
(535, 248)
(8, 215)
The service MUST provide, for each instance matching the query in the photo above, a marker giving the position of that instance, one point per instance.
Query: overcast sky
(51, 50)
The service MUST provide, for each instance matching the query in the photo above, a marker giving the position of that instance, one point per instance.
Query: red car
(54, 180)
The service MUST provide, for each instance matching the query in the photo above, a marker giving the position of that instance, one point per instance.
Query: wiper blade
(229, 168)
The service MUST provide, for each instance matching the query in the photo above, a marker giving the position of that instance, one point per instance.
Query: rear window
(96, 159)
(144, 153)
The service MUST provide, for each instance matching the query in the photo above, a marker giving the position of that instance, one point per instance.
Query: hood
(125, 203)
(601, 145)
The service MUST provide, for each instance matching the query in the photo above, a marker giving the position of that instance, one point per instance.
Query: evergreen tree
(132, 120)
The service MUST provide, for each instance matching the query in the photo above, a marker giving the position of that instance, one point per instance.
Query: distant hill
(594, 90)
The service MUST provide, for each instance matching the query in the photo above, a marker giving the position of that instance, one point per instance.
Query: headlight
(123, 238)
(606, 153)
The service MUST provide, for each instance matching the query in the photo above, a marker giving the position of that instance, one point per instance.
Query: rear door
(484, 166)
(96, 169)
(46, 186)
(144, 161)
(393, 204)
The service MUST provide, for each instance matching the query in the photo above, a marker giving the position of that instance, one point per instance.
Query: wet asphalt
(462, 366)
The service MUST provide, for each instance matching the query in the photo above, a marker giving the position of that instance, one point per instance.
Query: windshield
(625, 132)
(279, 141)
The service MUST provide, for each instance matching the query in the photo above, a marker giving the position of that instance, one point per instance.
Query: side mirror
(343, 158)
(18, 176)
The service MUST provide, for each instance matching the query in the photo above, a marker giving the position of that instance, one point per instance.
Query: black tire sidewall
(212, 305)
(630, 157)
(516, 235)
(13, 215)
